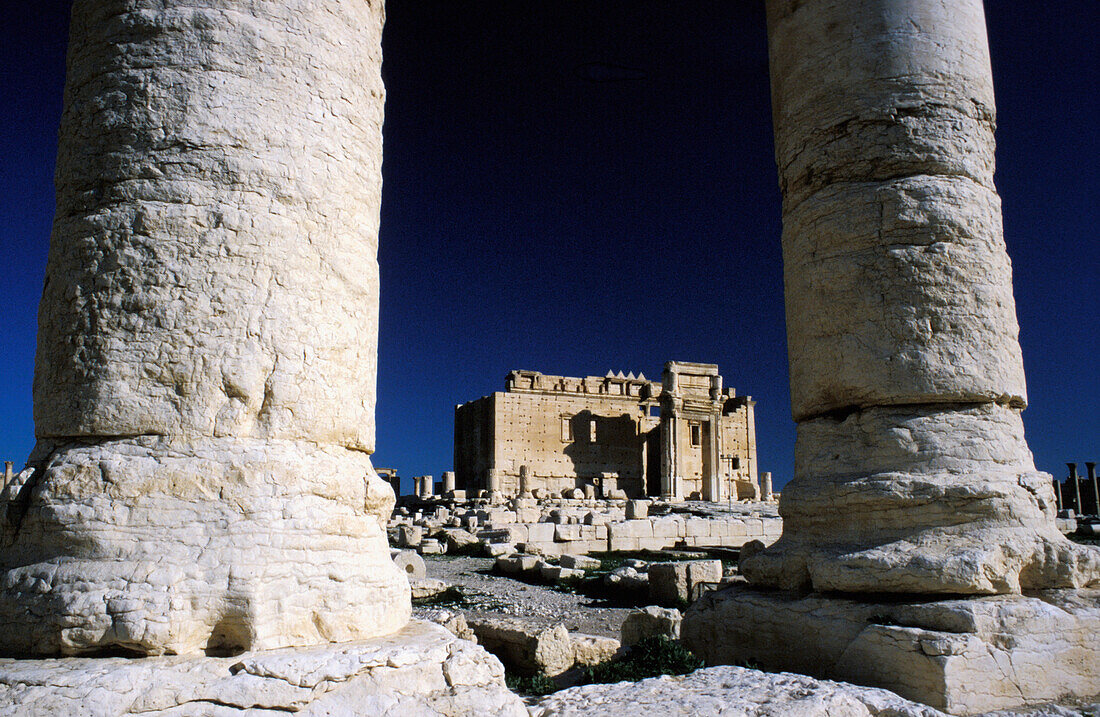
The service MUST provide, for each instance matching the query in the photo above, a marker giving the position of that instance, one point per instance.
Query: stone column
(427, 486)
(1090, 470)
(205, 377)
(906, 377)
(8, 474)
(765, 485)
(448, 482)
(525, 481)
(1075, 480)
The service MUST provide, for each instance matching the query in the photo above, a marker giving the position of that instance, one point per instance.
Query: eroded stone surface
(157, 547)
(421, 670)
(732, 692)
(906, 374)
(205, 378)
(965, 656)
(935, 500)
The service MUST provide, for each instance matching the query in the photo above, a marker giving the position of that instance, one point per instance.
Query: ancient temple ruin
(682, 437)
(205, 378)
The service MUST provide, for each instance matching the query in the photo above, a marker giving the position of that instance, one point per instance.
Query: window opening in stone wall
(566, 429)
(592, 430)
(696, 435)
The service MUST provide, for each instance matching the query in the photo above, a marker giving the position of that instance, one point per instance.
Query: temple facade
(684, 437)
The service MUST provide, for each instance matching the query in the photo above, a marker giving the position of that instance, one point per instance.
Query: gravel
(504, 596)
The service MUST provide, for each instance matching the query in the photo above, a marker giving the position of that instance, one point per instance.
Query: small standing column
(1090, 468)
(448, 482)
(765, 485)
(1076, 481)
(525, 481)
(427, 486)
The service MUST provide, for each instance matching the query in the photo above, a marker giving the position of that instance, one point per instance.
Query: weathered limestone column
(525, 481)
(205, 379)
(906, 377)
(765, 485)
(448, 482)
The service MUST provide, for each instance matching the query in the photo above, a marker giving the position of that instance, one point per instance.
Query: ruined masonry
(683, 437)
(204, 388)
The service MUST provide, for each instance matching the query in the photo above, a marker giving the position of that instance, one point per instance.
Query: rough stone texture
(675, 582)
(142, 544)
(421, 670)
(524, 646)
(906, 374)
(965, 656)
(205, 378)
(579, 562)
(454, 622)
(938, 499)
(649, 621)
(593, 649)
(427, 587)
(731, 692)
(410, 563)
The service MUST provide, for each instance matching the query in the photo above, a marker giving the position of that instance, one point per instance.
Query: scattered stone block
(579, 562)
(409, 536)
(452, 620)
(498, 550)
(627, 578)
(527, 648)
(410, 563)
(668, 583)
(517, 563)
(458, 539)
(554, 573)
(637, 509)
(593, 649)
(540, 533)
(430, 546)
(649, 621)
(703, 571)
(427, 588)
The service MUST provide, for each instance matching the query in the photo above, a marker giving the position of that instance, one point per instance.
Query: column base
(150, 547)
(963, 656)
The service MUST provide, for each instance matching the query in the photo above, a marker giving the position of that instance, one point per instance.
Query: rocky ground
(490, 594)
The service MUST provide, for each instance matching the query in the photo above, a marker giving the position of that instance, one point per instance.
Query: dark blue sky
(583, 185)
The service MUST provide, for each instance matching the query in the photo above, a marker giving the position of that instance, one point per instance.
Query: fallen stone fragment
(528, 648)
(410, 563)
(593, 649)
(409, 536)
(554, 573)
(519, 563)
(425, 588)
(452, 620)
(430, 546)
(579, 562)
(650, 621)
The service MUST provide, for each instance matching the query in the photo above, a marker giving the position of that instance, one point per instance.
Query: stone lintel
(963, 656)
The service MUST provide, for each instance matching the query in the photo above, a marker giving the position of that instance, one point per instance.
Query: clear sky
(573, 186)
